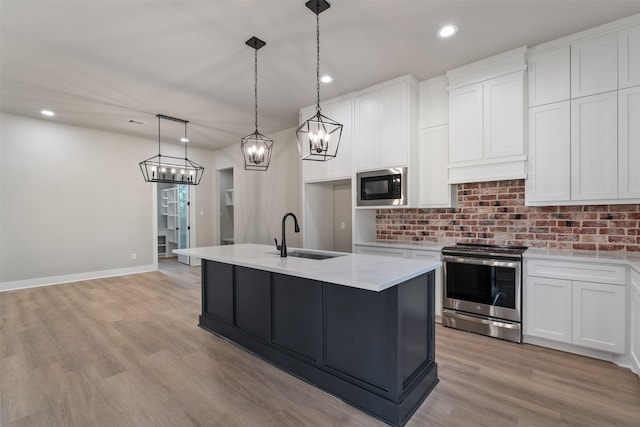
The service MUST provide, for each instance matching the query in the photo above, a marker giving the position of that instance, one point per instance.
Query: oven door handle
(480, 261)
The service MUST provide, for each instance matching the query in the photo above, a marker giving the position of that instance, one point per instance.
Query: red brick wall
(494, 213)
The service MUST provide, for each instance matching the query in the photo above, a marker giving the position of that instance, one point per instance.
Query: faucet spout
(283, 242)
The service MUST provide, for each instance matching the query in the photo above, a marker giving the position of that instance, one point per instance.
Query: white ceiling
(99, 63)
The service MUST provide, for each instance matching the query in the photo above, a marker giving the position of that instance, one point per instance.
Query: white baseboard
(622, 360)
(57, 280)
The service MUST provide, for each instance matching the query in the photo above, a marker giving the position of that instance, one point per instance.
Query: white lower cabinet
(548, 308)
(634, 321)
(576, 303)
(599, 316)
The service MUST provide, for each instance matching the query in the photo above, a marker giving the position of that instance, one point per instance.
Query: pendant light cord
(318, 61)
(255, 81)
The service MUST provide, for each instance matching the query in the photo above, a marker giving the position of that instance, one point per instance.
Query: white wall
(73, 202)
(262, 198)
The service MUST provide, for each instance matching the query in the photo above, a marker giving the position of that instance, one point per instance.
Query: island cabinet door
(360, 331)
(217, 290)
(297, 317)
(253, 301)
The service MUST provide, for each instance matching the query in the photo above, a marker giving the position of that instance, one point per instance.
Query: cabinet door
(548, 308)
(217, 290)
(252, 296)
(629, 59)
(394, 128)
(312, 171)
(433, 173)
(549, 76)
(629, 143)
(367, 132)
(549, 160)
(594, 65)
(599, 316)
(297, 315)
(504, 116)
(634, 320)
(594, 147)
(465, 124)
(342, 165)
(434, 102)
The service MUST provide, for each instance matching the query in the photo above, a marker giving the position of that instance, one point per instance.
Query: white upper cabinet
(594, 65)
(434, 102)
(504, 116)
(549, 76)
(385, 123)
(341, 167)
(629, 143)
(548, 171)
(466, 123)
(629, 57)
(486, 119)
(599, 123)
(433, 187)
(342, 112)
(432, 180)
(594, 147)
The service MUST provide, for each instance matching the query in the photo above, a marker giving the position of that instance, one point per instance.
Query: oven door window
(482, 284)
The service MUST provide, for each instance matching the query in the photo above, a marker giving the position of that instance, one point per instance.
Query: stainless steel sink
(311, 255)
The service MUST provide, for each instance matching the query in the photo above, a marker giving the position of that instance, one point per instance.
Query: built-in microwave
(386, 187)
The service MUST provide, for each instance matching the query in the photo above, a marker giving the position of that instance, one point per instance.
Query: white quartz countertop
(610, 257)
(370, 272)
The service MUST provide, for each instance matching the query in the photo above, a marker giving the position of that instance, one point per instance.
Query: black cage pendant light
(319, 136)
(256, 148)
(169, 169)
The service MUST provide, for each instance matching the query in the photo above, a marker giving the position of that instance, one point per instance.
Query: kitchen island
(360, 327)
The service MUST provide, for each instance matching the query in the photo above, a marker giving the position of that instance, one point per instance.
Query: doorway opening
(226, 200)
(173, 220)
(328, 216)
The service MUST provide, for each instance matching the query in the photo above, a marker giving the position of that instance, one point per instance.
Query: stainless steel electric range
(483, 289)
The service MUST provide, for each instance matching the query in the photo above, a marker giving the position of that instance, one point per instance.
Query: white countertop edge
(341, 270)
(612, 257)
(609, 257)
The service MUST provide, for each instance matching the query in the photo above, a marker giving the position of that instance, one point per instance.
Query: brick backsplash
(494, 213)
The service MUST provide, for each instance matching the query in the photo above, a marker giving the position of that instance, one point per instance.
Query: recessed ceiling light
(447, 31)
(326, 79)
(47, 113)
(184, 139)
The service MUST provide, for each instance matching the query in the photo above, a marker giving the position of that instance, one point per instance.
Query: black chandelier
(169, 169)
(256, 148)
(319, 136)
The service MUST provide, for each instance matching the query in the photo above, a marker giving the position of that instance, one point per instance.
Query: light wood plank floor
(127, 351)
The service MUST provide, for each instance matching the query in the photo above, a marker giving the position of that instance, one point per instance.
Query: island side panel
(297, 316)
(217, 290)
(415, 310)
(252, 290)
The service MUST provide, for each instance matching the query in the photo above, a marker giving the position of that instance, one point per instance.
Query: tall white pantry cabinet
(584, 132)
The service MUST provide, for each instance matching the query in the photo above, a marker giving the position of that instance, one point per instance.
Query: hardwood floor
(126, 351)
